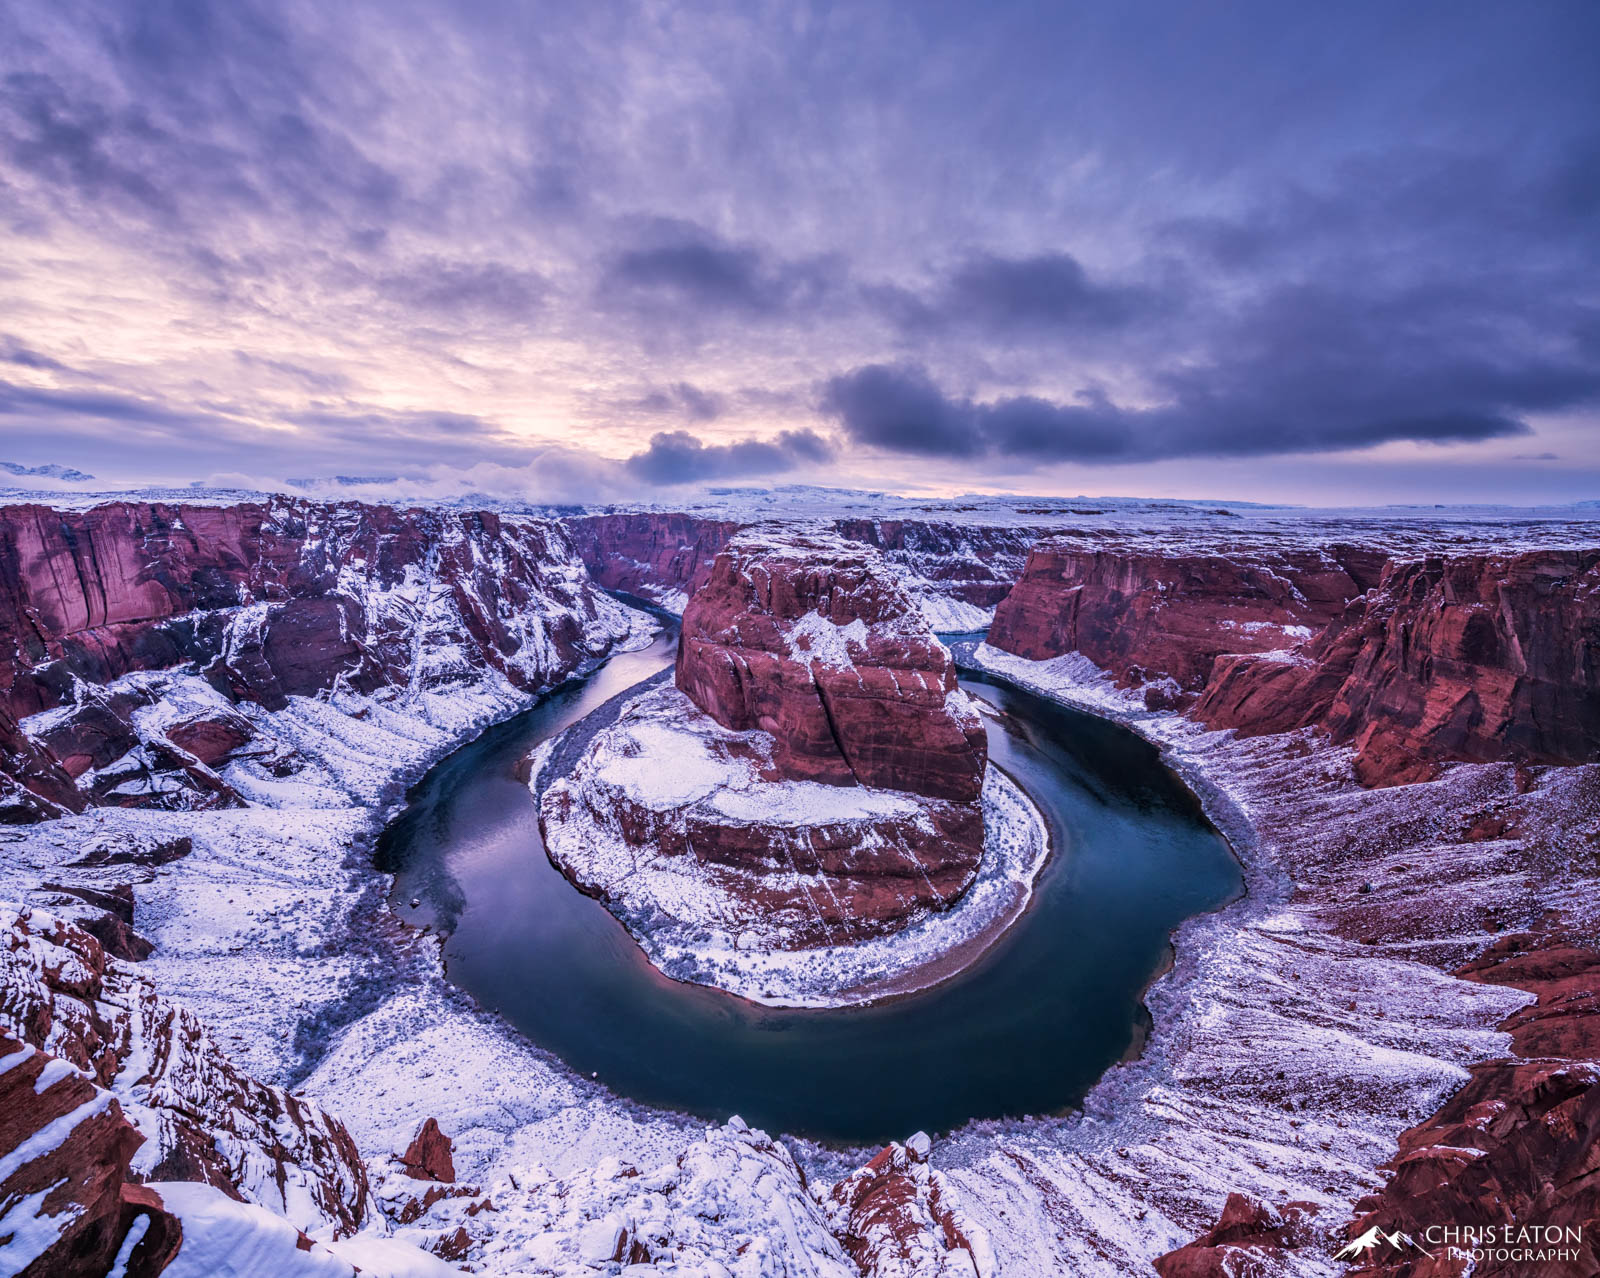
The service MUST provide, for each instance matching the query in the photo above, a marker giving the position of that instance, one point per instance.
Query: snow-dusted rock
(812, 638)
(899, 1218)
(787, 891)
(199, 1116)
(731, 1205)
(267, 601)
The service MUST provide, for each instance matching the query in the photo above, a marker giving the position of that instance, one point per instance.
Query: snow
(701, 927)
(30, 1234)
(728, 1203)
(223, 1238)
(52, 1135)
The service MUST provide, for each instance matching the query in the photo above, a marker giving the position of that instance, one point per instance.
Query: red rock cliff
(1476, 658)
(266, 601)
(1149, 615)
(810, 638)
(657, 556)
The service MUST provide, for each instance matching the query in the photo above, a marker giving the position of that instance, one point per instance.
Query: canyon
(207, 711)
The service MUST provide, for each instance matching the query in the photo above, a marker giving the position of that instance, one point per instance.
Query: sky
(1329, 254)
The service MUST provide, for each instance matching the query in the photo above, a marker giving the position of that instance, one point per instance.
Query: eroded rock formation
(266, 601)
(1162, 617)
(1478, 658)
(809, 638)
(657, 556)
(195, 1115)
(813, 779)
(899, 1218)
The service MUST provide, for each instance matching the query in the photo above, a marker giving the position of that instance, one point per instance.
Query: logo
(1363, 1247)
(1479, 1244)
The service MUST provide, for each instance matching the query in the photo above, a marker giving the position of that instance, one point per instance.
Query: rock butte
(814, 780)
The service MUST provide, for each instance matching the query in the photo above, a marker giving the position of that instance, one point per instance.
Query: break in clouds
(609, 248)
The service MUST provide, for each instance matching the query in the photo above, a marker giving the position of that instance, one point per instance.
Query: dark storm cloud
(1280, 398)
(899, 408)
(683, 268)
(1009, 296)
(677, 457)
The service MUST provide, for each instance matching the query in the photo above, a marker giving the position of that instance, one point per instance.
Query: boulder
(430, 1155)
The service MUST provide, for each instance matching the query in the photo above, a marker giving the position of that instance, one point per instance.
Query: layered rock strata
(124, 1088)
(1476, 659)
(810, 639)
(662, 557)
(265, 601)
(1161, 618)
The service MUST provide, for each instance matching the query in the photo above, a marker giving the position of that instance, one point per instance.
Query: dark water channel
(1026, 1030)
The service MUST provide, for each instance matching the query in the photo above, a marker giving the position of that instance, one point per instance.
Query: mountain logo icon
(1363, 1246)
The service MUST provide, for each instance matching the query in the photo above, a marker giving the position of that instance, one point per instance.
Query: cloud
(1221, 412)
(13, 351)
(681, 399)
(1039, 294)
(900, 409)
(488, 290)
(683, 267)
(263, 231)
(677, 457)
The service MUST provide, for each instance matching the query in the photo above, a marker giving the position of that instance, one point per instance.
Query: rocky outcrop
(1250, 1238)
(1478, 658)
(1163, 617)
(65, 1146)
(812, 780)
(430, 1155)
(267, 601)
(1475, 658)
(898, 1218)
(202, 1118)
(956, 572)
(669, 816)
(809, 638)
(1518, 1145)
(657, 556)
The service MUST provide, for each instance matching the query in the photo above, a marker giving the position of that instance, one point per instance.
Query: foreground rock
(1518, 1147)
(899, 1218)
(732, 1203)
(267, 602)
(197, 1117)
